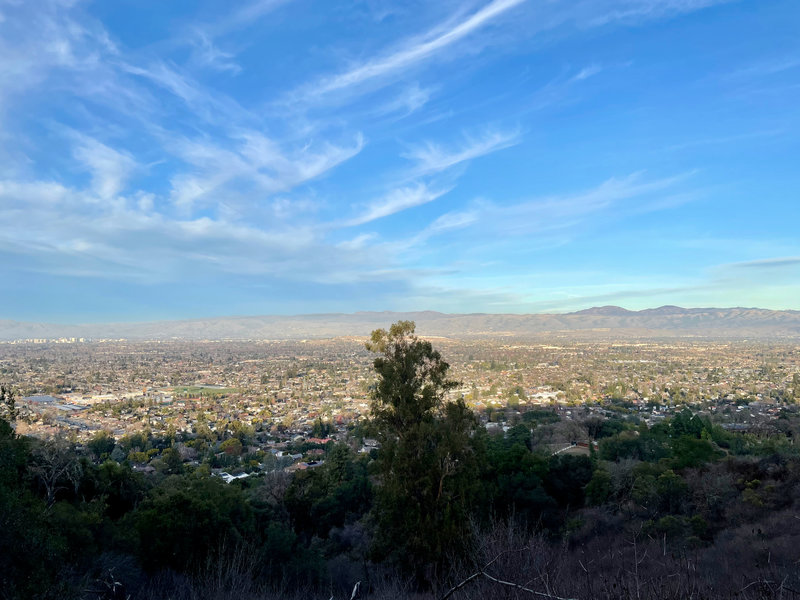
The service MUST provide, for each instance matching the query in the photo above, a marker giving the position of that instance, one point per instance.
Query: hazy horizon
(354, 313)
(178, 161)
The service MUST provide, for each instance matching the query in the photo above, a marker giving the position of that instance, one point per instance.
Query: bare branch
(523, 588)
(482, 573)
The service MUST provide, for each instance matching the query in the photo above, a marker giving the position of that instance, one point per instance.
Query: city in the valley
(284, 400)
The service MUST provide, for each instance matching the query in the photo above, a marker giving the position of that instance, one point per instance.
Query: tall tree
(427, 461)
(8, 405)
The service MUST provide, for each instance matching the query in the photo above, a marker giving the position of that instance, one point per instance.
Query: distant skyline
(171, 160)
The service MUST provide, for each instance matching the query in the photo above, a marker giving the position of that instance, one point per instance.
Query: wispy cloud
(765, 68)
(450, 221)
(252, 162)
(557, 90)
(432, 157)
(562, 212)
(207, 53)
(409, 100)
(767, 263)
(213, 107)
(553, 219)
(37, 41)
(202, 37)
(635, 11)
(65, 231)
(396, 201)
(453, 220)
(109, 168)
(359, 242)
(412, 52)
(245, 14)
(125, 157)
(586, 72)
(571, 211)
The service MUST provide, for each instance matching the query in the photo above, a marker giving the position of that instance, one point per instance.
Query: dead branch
(482, 573)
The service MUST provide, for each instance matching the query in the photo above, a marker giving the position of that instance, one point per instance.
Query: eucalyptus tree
(428, 461)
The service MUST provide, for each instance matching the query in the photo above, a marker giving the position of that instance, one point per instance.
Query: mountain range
(603, 321)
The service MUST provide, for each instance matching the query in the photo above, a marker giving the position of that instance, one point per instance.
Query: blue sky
(182, 159)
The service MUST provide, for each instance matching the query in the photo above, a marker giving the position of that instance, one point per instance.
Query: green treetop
(427, 462)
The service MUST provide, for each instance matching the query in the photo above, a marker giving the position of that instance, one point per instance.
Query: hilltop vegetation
(683, 507)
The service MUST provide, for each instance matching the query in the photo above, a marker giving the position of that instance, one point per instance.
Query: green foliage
(514, 480)
(14, 456)
(514, 394)
(412, 504)
(188, 519)
(329, 496)
(8, 405)
(540, 416)
(321, 429)
(138, 457)
(427, 465)
(599, 489)
(101, 443)
(599, 428)
(686, 424)
(32, 548)
(567, 477)
(519, 434)
(671, 490)
(116, 486)
(195, 391)
(692, 452)
(29, 559)
(232, 446)
(136, 442)
(643, 444)
(172, 461)
(412, 380)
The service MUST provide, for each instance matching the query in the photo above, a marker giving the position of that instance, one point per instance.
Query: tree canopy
(427, 463)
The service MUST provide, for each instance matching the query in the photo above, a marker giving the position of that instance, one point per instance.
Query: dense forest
(439, 508)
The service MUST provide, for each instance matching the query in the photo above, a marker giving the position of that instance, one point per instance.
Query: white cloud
(586, 72)
(243, 15)
(557, 212)
(171, 80)
(202, 37)
(357, 243)
(613, 199)
(558, 91)
(226, 162)
(450, 221)
(454, 220)
(37, 39)
(636, 11)
(414, 51)
(408, 101)
(207, 53)
(65, 231)
(766, 263)
(547, 16)
(432, 157)
(109, 168)
(396, 201)
(253, 161)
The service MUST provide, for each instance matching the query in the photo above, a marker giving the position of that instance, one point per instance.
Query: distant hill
(605, 321)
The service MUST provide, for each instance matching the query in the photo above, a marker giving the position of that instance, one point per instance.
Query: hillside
(666, 321)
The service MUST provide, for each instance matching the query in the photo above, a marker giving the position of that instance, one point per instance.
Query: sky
(181, 159)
